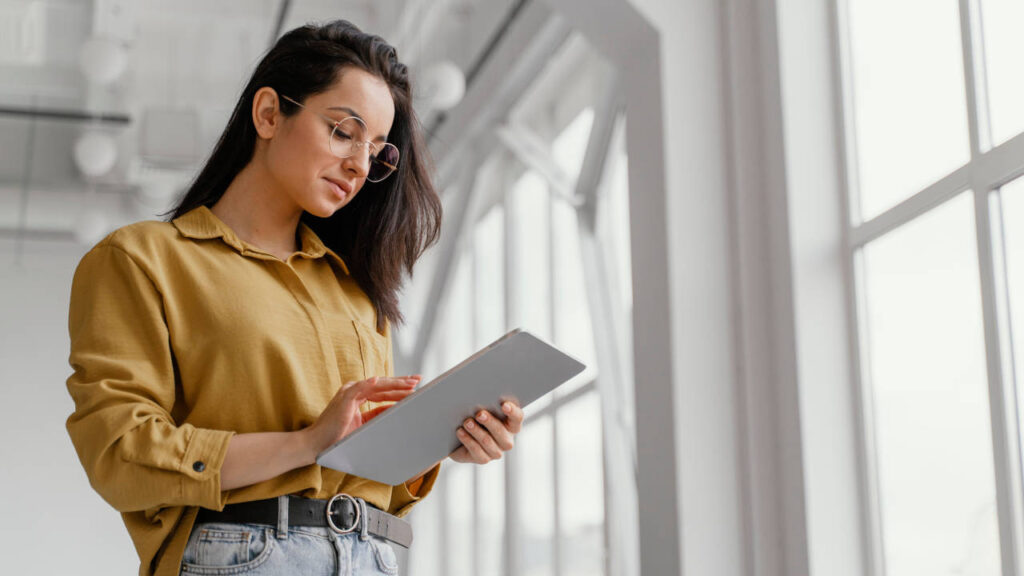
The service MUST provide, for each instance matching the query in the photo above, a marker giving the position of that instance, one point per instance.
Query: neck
(259, 213)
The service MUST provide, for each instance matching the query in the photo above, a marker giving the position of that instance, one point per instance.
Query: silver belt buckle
(330, 521)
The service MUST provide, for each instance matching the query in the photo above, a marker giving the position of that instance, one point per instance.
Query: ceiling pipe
(282, 15)
(66, 115)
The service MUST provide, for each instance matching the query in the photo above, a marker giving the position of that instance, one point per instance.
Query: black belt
(345, 516)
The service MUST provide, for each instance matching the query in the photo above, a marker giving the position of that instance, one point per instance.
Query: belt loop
(364, 531)
(282, 517)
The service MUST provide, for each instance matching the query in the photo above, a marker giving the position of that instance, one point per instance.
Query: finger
(371, 414)
(484, 438)
(513, 416)
(393, 381)
(476, 452)
(460, 455)
(366, 388)
(389, 395)
(498, 430)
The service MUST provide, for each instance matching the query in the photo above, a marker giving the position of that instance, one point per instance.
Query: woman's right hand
(342, 414)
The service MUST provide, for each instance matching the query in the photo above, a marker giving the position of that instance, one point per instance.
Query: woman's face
(299, 156)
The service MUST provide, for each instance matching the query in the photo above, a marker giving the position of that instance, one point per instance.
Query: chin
(327, 207)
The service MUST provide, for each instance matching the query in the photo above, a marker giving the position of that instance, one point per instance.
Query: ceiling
(187, 62)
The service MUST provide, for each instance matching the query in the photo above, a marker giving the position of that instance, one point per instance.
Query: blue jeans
(261, 550)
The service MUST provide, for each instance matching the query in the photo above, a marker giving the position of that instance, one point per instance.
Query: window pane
(531, 213)
(489, 251)
(930, 396)
(570, 146)
(572, 315)
(908, 96)
(581, 487)
(491, 518)
(613, 221)
(529, 205)
(460, 519)
(425, 555)
(535, 476)
(1004, 44)
(458, 326)
(573, 331)
(1013, 233)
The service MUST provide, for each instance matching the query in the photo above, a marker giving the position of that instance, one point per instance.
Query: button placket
(304, 297)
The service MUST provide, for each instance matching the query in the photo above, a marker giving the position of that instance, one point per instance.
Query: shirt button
(198, 466)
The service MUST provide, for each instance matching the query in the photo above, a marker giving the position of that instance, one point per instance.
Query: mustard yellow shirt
(183, 335)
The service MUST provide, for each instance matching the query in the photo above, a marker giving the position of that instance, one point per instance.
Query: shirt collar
(201, 223)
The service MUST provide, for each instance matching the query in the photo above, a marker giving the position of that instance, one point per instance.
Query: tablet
(420, 430)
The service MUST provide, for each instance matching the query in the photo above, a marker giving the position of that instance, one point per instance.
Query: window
(541, 510)
(1003, 45)
(1013, 230)
(910, 108)
(927, 374)
(933, 139)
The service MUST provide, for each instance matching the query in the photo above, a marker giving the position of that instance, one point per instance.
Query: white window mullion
(553, 238)
(512, 318)
(844, 66)
(1002, 398)
(474, 337)
(868, 447)
(938, 193)
(1001, 164)
(856, 235)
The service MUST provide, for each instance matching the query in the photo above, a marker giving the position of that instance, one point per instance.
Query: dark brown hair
(383, 230)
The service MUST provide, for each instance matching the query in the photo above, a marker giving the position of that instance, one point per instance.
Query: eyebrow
(351, 112)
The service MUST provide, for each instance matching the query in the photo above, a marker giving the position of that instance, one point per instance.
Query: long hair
(383, 231)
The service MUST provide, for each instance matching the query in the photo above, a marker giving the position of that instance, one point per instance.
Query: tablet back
(420, 430)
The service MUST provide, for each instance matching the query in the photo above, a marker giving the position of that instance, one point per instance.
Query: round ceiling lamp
(95, 153)
(443, 85)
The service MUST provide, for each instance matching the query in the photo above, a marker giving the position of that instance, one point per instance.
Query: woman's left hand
(486, 437)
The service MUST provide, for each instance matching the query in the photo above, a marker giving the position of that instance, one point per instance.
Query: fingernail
(483, 416)
(469, 424)
(507, 408)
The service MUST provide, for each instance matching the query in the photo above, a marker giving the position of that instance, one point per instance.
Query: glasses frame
(372, 147)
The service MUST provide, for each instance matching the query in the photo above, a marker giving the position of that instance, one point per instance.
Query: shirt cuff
(403, 500)
(201, 466)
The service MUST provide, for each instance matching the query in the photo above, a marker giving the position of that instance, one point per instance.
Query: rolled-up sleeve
(123, 386)
(403, 497)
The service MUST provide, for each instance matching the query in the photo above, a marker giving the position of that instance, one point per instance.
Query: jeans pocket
(387, 560)
(223, 548)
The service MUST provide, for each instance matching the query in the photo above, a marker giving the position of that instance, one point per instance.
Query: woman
(217, 354)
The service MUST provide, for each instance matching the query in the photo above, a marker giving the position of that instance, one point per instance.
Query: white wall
(53, 522)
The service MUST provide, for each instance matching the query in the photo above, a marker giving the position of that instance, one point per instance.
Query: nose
(358, 163)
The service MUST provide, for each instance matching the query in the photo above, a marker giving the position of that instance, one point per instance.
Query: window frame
(988, 169)
(509, 169)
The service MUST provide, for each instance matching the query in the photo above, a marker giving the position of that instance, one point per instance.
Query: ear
(266, 113)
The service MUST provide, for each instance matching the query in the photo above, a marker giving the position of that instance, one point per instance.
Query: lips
(341, 189)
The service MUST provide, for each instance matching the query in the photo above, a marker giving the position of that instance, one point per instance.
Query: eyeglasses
(349, 135)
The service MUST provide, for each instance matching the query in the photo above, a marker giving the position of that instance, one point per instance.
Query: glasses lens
(383, 163)
(346, 135)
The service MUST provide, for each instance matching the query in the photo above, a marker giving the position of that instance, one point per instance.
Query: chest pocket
(372, 349)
